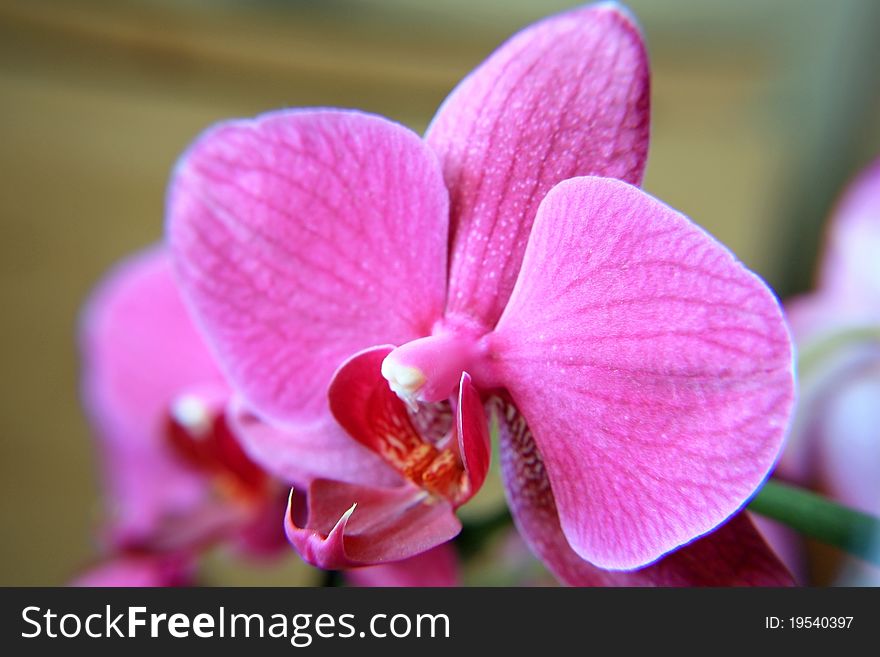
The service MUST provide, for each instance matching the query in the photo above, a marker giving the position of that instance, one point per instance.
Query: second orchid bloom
(375, 298)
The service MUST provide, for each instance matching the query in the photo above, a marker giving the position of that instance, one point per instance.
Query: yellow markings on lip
(437, 471)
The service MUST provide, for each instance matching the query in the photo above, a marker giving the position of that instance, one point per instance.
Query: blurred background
(762, 110)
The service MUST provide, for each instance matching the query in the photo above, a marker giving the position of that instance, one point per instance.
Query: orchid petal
(436, 567)
(473, 435)
(346, 525)
(320, 450)
(654, 369)
(733, 555)
(140, 350)
(787, 544)
(302, 237)
(566, 97)
(263, 535)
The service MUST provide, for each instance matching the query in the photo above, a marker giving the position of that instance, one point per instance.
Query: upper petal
(302, 237)
(734, 555)
(654, 369)
(568, 96)
(140, 350)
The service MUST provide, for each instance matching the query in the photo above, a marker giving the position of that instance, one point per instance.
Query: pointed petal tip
(390, 524)
(326, 552)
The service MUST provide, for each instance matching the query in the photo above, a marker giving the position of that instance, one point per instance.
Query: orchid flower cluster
(356, 313)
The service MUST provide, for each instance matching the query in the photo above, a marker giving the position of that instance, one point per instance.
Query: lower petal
(733, 555)
(436, 567)
(654, 369)
(342, 525)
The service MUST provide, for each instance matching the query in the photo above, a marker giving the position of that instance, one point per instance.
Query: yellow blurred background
(761, 111)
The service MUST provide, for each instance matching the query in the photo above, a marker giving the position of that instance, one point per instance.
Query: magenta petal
(320, 450)
(654, 370)
(473, 435)
(302, 237)
(364, 405)
(566, 97)
(734, 555)
(140, 350)
(436, 567)
(346, 525)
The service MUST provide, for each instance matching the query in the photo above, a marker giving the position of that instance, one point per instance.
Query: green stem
(818, 517)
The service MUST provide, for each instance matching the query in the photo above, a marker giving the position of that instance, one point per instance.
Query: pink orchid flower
(139, 570)
(835, 442)
(352, 278)
(177, 480)
(837, 434)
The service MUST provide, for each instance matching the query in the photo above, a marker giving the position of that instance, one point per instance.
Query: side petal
(302, 237)
(733, 555)
(139, 351)
(654, 369)
(298, 455)
(566, 97)
(344, 525)
(436, 567)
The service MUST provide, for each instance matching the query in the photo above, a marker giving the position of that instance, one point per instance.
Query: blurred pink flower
(139, 570)
(349, 275)
(838, 326)
(176, 479)
(436, 567)
(835, 442)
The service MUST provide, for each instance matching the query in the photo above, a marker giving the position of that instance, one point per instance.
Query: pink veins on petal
(501, 255)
